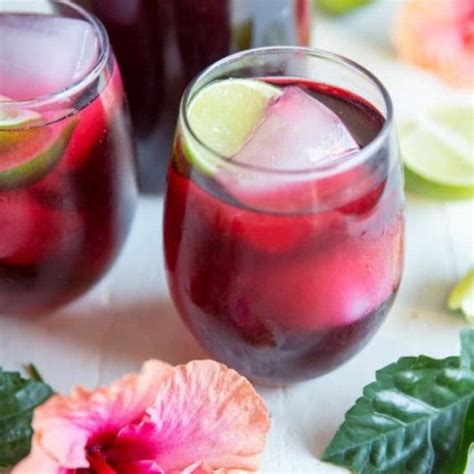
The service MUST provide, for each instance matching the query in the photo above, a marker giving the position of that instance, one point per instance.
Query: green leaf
(33, 372)
(18, 398)
(467, 349)
(418, 417)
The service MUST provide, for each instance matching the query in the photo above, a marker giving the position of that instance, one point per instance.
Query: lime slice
(11, 121)
(223, 115)
(16, 118)
(340, 7)
(28, 147)
(28, 155)
(462, 297)
(438, 152)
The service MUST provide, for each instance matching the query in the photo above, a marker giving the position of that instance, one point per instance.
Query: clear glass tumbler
(67, 173)
(285, 252)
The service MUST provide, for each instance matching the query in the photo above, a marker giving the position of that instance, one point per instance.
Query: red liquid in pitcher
(293, 293)
(161, 45)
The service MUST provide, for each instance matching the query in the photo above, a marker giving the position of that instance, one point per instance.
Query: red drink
(67, 181)
(161, 45)
(285, 282)
(136, 31)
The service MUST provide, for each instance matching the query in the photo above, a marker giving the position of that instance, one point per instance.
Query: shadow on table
(125, 333)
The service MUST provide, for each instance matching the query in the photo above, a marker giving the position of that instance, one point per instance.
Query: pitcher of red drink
(161, 45)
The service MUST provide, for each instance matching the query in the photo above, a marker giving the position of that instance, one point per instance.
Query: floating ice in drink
(55, 51)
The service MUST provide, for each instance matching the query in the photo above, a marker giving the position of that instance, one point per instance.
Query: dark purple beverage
(291, 293)
(67, 175)
(161, 45)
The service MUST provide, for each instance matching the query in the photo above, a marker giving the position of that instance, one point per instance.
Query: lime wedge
(222, 116)
(28, 155)
(438, 152)
(28, 147)
(462, 297)
(11, 121)
(340, 7)
(16, 118)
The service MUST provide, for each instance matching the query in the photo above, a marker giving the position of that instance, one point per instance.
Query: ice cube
(297, 132)
(41, 54)
(330, 286)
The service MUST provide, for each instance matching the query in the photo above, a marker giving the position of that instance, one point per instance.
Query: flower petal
(134, 442)
(207, 412)
(202, 468)
(38, 462)
(196, 468)
(438, 35)
(64, 425)
(140, 467)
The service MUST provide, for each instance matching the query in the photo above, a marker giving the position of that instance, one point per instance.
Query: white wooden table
(129, 317)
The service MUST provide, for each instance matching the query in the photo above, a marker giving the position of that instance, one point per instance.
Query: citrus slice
(438, 152)
(462, 297)
(28, 148)
(222, 116)
(340, 7)
(13, 119)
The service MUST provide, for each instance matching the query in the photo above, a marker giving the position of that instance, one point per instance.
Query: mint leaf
(18, 398)
(417, 417)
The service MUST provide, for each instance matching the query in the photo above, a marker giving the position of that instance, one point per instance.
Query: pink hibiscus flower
(199, 418)
(438, 35)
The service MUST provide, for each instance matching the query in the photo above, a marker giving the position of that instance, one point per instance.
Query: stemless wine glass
(67, 176)
(284, 256)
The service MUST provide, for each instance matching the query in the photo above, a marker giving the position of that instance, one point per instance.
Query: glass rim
(338, 165)
(82, 82)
